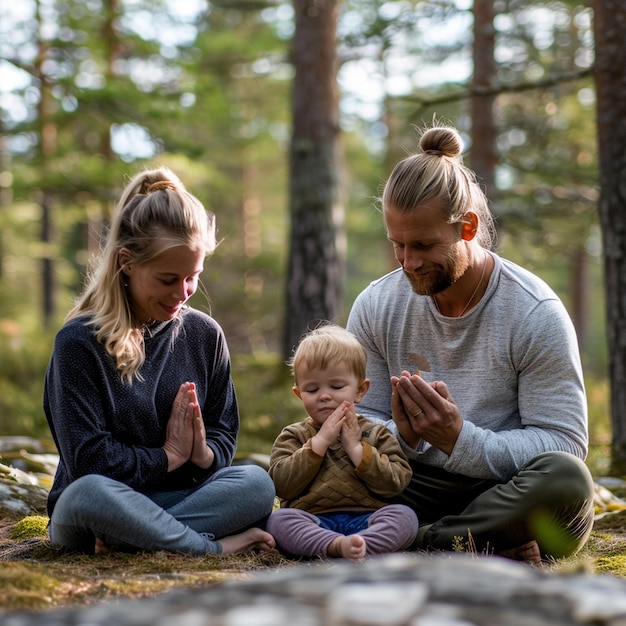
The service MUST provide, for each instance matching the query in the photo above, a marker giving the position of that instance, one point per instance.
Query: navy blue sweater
(104, 426)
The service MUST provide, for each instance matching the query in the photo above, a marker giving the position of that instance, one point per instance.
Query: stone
(20, 494)
(409, 589)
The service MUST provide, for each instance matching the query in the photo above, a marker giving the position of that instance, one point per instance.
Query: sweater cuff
(366, 460)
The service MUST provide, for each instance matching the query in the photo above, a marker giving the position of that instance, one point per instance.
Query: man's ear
(470, 226)
(296, 391)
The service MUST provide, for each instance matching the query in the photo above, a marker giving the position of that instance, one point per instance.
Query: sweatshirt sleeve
(551, 402)
(80, 389)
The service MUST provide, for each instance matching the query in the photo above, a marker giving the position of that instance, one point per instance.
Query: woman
(139, 397)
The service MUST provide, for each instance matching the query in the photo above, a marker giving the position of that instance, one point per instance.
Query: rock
(408, 589)
(20, 494)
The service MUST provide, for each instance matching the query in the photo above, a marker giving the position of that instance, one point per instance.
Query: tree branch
(495, 90)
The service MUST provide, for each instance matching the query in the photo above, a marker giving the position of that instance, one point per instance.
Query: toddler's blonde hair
(326, 345)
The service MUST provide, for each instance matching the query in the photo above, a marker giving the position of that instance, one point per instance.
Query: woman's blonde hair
(326, 345)
(438, 172)
(154, 213)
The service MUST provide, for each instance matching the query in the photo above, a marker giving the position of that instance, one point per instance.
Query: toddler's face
(322, 391)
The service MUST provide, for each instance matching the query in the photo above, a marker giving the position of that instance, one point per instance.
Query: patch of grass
(612, 560)
(54, 579)
(604, 552)
(614, 564)
(51, 579)
(26, 587)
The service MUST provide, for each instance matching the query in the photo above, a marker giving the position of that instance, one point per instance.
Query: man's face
(431, 252)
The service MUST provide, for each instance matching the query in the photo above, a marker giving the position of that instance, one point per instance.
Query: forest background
(91, 91)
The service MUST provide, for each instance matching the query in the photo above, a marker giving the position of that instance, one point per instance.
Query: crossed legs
(299, 533)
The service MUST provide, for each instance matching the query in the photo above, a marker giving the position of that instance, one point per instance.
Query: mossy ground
(33, 577)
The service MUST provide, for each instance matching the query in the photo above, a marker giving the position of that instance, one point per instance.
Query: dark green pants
(550, 500)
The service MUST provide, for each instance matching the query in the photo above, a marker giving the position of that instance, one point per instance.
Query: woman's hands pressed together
(426, 411)
(185, 438)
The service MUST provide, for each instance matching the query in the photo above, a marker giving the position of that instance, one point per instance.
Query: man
(475, 367)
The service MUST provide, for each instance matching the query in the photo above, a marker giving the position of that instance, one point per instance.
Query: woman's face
(159, 288)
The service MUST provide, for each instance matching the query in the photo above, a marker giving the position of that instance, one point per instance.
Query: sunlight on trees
(205, 87)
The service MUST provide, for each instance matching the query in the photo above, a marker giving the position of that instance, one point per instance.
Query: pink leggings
(392, 528)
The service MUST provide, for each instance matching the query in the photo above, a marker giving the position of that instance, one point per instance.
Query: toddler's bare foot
(350, 547)
(251, 539)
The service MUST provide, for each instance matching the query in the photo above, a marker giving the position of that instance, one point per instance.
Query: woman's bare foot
(350, 547)
(100, 547)
(251, 539)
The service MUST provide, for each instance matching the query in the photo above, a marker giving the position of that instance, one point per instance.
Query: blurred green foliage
(24, 359)
(212, 100)
(599, 457)
(266, 401)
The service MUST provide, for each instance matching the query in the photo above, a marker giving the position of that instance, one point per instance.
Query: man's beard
(439, 278)
(431, 284)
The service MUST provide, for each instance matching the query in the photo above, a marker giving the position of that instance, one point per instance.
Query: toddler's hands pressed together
(351, 436)
(330, 431)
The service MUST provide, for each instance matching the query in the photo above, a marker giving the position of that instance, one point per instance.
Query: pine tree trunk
(315, 269)
(484, 156)
(610, 77)
(48, 146)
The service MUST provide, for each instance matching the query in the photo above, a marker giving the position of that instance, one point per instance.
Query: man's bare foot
(528, 553)
(251, 539)
(350, 547)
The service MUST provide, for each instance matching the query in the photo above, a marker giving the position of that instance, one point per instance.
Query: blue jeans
(189, 521)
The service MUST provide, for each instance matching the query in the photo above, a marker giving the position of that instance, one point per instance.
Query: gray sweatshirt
(511, 364)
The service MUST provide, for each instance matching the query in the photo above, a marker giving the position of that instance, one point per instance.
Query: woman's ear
(470, 226)
(124, 261)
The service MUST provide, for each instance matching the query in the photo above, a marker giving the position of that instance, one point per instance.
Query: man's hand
(426, 411)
